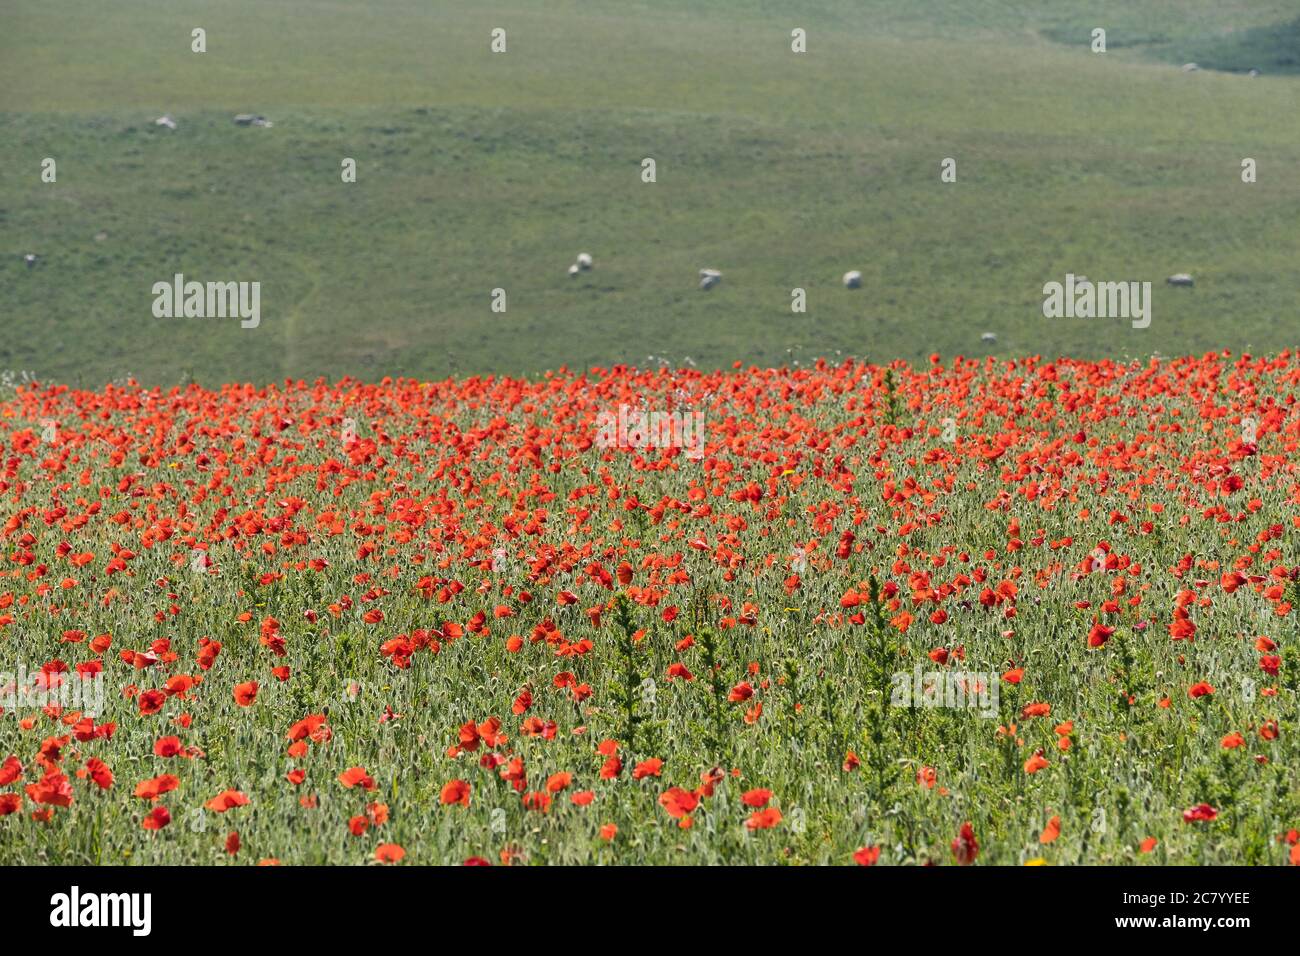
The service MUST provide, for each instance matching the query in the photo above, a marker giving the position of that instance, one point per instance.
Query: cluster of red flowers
(466, 548)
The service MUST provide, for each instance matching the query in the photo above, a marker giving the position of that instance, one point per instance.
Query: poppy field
(446, 622)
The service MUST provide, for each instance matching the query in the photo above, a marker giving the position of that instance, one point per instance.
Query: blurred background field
(478, 171)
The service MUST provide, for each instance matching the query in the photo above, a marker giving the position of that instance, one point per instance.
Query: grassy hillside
(478, 171)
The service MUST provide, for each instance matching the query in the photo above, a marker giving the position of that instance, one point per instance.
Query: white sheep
(709, 278)
(853, 280)
(584, 261)
(573, 271)
(1182, 278)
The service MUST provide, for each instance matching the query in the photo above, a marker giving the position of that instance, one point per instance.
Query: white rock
(853, 280)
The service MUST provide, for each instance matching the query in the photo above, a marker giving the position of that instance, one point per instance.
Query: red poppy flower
(764, 819)
(647, 768)
(389, 853)
(456, 791)
(226, 800)
(867, 856)
(357, 777)
(154, 788)
(156, 819)
(965, 848)
(678, 802)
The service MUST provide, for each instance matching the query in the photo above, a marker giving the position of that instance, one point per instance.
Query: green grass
(478, 171)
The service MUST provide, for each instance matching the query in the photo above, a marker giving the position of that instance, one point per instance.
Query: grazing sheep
(30, 259)
(853, 280)
(1181, 278)
(709, 278)
(573, 272)
(988, 338)
(250, 119)
(584, 261)
(1190, 67)
(1253, 73)
(166, 121)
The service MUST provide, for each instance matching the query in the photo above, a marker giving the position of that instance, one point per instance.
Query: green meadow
(479, 170)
